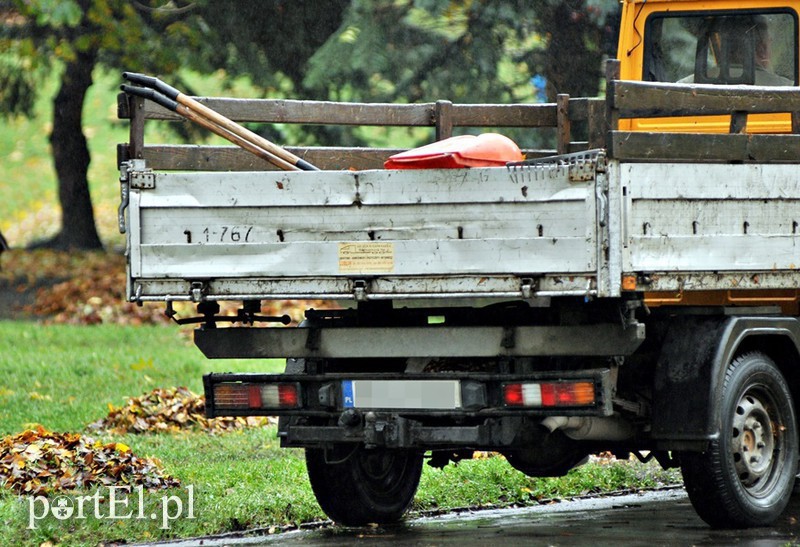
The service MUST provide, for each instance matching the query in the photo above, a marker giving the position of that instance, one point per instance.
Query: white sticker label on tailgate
(402, 394)
(366, 257)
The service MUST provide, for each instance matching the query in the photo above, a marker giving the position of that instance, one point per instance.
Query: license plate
(402, 394)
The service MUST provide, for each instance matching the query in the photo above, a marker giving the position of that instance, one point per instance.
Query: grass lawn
(65, 376)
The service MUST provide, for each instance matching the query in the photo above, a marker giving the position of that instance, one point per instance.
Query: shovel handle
(243, 132)
(190, 115)
(153, 83)
(152, 95)
(237, 140)
(226, 123)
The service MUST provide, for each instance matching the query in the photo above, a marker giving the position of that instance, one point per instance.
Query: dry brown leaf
(169, 410)
(40, 462)
(87, 287)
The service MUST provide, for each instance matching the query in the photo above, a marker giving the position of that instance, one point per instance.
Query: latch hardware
(143, 180)
(360, 290)
(196, 290)
(527, 287)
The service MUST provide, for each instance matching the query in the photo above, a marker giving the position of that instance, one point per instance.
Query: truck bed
(661, 213)
(517, 232)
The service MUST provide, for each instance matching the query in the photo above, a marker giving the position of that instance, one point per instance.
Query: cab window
(750, 48)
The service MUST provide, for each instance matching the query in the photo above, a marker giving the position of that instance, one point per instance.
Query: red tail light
(287, 395)
(241, 396)
(512, 395)
(549, 394)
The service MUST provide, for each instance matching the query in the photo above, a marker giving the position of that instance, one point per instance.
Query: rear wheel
(747, 475)
(356, 486)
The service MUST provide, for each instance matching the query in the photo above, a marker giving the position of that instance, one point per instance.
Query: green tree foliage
(73, 36)
(425, 50)
(464, 50)
(374, 50)
(497, 51)
(578, 34)
(267, 39)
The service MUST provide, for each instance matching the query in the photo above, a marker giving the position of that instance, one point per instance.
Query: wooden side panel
(442, 115)
(698, 147)
(647, 100)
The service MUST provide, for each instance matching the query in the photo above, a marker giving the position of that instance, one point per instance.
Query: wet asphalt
(646, 519)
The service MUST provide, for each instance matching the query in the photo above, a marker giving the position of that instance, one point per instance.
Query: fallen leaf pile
(88, 287)
(40, 462)
(169, 410)
(80, 287)
(604, 458)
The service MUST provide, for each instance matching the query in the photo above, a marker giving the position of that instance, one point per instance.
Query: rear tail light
(279, 396)
(256, 396)
(549, 394)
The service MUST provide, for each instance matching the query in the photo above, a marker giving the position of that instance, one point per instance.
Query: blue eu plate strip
(347, 394)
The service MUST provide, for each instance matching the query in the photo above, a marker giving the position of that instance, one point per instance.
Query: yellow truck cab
(753, 42)
(722, 42)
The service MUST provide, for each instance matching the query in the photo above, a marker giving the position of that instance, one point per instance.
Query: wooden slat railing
(441, 115)
(634, 99)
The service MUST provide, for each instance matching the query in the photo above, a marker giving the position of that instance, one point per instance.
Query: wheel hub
(753, 440)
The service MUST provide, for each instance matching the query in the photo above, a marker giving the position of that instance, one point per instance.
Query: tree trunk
(71, 157)
(572, 62)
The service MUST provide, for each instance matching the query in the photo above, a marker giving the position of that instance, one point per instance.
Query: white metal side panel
(526, 221)
(134, 233)
(169, 225)
(701, 218)
(417, 257)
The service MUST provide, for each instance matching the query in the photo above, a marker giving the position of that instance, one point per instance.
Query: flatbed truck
(632, 291)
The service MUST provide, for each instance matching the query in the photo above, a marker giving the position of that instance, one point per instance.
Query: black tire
(355, 486)
(553, 453)
(746, 477)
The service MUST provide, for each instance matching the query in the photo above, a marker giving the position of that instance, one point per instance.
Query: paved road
(649, 519)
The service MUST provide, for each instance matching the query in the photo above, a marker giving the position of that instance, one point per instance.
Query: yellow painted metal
(631, 56)
(786, 299)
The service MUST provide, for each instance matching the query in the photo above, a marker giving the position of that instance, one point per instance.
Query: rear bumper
(480, 394)
(325, 409)
(428, 341)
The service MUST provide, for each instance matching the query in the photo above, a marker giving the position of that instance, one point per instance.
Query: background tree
(426, 50)
(578, 34)
(76, 36)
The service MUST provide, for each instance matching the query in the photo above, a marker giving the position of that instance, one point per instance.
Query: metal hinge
(132, 174)
(124, 195)
(196, 291)
(360, 290)
(581, 171)
(526, 287)
(143, 180)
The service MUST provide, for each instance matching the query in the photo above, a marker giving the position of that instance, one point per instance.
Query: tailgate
(505, 232)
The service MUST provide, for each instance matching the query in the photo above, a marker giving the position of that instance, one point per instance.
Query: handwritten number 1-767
(233, 234)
